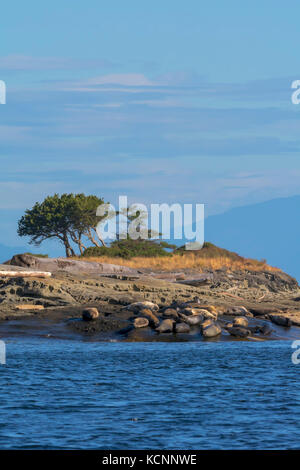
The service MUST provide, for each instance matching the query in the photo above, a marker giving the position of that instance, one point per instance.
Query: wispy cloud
(170, 137)
(29, 63)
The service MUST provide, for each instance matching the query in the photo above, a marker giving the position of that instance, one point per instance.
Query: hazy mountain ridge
(268, 230)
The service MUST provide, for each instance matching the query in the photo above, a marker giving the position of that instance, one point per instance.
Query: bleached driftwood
(29, 307)
(42, 274)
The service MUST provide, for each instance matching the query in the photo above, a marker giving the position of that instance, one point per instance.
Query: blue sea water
(57, 394)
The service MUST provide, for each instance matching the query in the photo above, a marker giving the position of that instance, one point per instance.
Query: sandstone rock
(182, 328)
(281, 321)
(153, 320)
(239, 331)
(240, 321)
(89, 314)
(211, 330)
(166, 326)
(141, 322)
(199, 280)
(68, 265)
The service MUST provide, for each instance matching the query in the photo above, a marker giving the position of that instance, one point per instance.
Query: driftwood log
(42, 274)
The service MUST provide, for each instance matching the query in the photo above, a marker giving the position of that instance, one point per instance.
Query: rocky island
(66, 298)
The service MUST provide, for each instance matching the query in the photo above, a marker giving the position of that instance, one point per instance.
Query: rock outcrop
(54, 265)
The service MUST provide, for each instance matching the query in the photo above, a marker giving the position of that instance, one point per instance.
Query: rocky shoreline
(139, 305)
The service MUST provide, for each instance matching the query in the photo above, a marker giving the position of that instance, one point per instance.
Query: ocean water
(57, 394)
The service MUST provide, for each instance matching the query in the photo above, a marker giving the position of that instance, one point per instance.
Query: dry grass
(190, 261)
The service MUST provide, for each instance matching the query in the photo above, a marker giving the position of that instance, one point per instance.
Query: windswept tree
(71, 218)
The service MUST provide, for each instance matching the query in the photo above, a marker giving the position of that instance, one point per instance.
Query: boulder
(90, 314)
(281, 321)
(240, 321)
(166, 326)
(153, 320)
(182, 328)
(141, 322)
(211, 330)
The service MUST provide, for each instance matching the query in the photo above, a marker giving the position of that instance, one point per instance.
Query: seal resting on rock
(265, 330)
(192, 319)
(90, 314)
(141, 322)
(170, 313)
(239, 331)
(153, 320)
(240, 321)
(239, 310)
(281, 321)
(166, 326)
(207, 322)
(182, 328)
(211, 330)
(138, 306)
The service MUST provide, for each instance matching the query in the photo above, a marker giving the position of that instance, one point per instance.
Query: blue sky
(162, 101)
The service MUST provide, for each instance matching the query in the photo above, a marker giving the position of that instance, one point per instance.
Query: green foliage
(209, 250)
(130, 248)
(68, 218)
(37, 255)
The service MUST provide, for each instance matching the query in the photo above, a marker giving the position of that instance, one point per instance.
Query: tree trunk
(78, 241)
(69, 250)
(93, 240)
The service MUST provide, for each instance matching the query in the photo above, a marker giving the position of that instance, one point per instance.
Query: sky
(161, 101)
